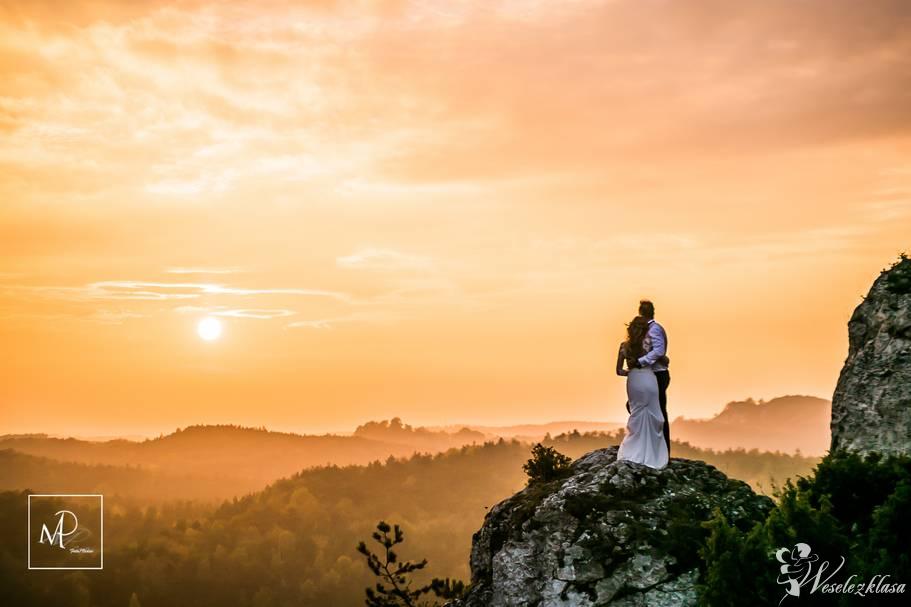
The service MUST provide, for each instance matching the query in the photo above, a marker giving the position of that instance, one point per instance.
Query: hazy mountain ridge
(533, 432)
(209, 462)
(398, 432)
(46, 475)
(249, 457)
(787, 423)
(220, 461)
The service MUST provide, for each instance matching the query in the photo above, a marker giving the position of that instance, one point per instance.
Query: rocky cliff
(871, 408)
(612, 533)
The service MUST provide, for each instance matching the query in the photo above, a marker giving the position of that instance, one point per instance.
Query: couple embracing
(643, 360)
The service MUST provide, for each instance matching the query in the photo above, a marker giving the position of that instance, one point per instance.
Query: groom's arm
(659, 346)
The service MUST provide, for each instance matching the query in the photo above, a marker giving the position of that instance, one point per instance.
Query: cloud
(644, 80)
(110, 317)
(192, 270)
(129, 289)
(383, 99)
(313, 324)
(256, 313)
(383, 259)
(136, 290)
(262, 314)
(372, 316)
(160, 291)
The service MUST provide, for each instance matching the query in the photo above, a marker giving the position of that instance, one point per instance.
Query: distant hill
(44, 475)
(424, 439)
(535, 432)
(786, 424)
(236, 458)
(206, 461)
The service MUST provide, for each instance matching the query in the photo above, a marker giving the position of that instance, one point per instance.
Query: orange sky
(443, 211)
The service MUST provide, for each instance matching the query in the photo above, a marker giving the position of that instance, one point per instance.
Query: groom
(656, 360)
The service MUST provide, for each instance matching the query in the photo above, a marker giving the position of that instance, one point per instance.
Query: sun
(209, 328)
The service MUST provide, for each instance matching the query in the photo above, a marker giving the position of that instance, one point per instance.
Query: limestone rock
(871, 408)
(612, 533)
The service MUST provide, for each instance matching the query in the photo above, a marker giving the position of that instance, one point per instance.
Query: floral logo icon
(796, 567)
(801, 567)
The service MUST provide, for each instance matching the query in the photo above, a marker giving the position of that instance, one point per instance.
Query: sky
(444, 211)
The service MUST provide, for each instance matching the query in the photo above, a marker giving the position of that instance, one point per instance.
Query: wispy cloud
(262, 314)
(257, 313)
(371, 258)
(160, 291)
(890, 199)
(112, 317)
(371, 316)
(103, 317)
(129, 289)
(197, 270)
(314, 324)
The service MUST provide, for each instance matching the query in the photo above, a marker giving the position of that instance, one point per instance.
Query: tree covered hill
(786, 423)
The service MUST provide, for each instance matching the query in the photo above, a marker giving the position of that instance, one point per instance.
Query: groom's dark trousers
(664, 380)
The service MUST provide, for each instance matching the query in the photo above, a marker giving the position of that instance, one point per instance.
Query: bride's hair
(636, 331)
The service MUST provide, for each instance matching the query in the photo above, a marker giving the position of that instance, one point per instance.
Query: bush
(899, 279)
(546, 464)
(852, 506)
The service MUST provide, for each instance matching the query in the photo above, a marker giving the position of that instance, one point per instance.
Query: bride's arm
(621, 356)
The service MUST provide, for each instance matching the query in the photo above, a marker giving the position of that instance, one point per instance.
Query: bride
(644, 440)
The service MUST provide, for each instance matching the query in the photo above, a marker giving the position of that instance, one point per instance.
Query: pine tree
(394, 588)
(546, 464)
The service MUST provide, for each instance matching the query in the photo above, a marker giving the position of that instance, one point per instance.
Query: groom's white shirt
(659, 347)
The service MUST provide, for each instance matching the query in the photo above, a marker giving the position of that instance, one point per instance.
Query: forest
(293, 543)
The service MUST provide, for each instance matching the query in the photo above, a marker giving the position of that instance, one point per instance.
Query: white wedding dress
(644, 440)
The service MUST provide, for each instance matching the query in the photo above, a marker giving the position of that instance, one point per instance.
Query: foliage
(448, 589)
(395, 586)
(546, 464)
(852, 506)
(899, 279)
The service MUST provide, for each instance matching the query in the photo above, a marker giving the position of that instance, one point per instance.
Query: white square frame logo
(100, 512)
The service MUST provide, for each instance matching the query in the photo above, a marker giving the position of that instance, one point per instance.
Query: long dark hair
(636, 331)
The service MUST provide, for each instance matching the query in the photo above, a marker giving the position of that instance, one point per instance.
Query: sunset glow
(209, 328)
(443, 211)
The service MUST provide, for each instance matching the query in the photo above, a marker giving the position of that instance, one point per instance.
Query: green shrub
(852, 506)
(546, 464)
(899, 279)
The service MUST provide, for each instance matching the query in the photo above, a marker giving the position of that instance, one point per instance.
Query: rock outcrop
(612, 533)
(871, 408)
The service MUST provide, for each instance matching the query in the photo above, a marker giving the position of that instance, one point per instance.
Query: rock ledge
(612, 533)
